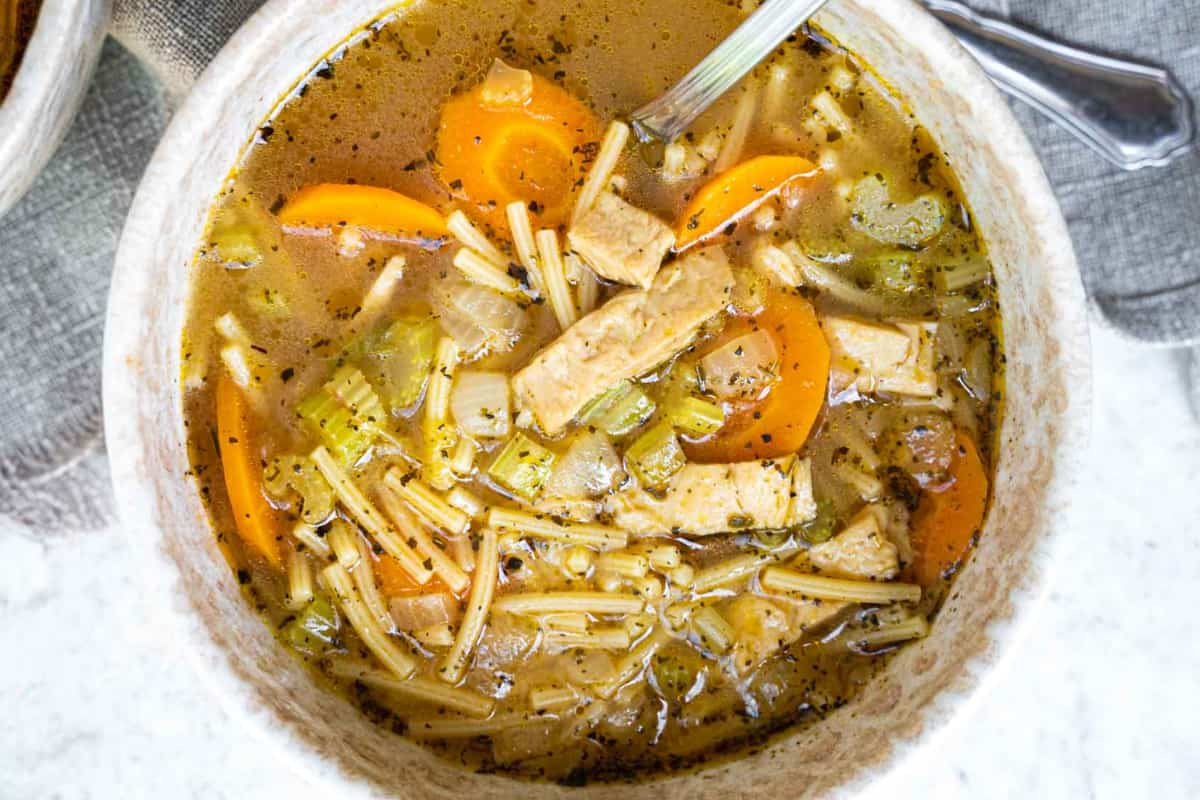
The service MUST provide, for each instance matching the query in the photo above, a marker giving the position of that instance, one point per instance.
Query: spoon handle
(1132, 114)
(670, 114)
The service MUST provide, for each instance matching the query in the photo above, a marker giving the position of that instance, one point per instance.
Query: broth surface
(646, 618)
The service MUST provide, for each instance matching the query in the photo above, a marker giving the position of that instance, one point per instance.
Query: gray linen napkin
(1136, 234)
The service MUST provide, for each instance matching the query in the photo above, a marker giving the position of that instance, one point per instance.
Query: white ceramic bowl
(49, 86)
(196, 599)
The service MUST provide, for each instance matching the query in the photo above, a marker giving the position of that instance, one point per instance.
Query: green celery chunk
(696, 417)
(400, 356)
(313, 631)
(523, 467)
(345, 413)
(898, 272)
(655, 456)
(621, 409)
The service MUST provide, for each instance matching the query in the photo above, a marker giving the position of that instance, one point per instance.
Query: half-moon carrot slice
(780, 422)
(947, 520)
(257, 522)
(735, 193)
(535, 152)
(376, 210)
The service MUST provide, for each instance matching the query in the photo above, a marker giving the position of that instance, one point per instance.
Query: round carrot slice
(778, 423)
(491, 155)
(735, 193)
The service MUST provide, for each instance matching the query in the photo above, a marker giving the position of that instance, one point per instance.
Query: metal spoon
(1132, 114)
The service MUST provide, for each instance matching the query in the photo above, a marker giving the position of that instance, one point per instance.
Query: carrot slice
(779, 423)
(947, 520)
(536, 152)
(394, 580)
(374, 209)
(735, 193)
(257, 522)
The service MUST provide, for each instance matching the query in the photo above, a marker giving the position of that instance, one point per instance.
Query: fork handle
(1132, 114)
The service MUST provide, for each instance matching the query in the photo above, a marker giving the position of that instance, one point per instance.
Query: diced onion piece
(590, 468)
(479, 319)
(480, 404)
(506, 86)
(742, 368)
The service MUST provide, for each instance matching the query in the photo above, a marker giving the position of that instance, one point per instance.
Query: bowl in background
(194, 596)
(48, 88)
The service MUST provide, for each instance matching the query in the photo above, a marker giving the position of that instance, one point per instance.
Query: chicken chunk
(765, 626)
(861, 550)
(713, 498)
(624, 338)
(621, 242)
(877, 357)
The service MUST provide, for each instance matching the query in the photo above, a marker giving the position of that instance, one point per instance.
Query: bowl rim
(127, 440)
(48, 88)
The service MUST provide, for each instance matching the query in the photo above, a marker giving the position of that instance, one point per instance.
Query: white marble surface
(1100, 700)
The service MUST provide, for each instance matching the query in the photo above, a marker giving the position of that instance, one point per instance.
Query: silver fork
(1132, 114)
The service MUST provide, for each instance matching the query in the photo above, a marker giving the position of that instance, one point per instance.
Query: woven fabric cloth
(1137, 234)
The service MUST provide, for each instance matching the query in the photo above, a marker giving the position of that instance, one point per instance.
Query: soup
(16, 26)
(576, 459)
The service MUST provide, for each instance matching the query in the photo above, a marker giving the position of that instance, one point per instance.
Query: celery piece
(240, 233)
(314, 629)
(345, 413)
(236, 244)
(898, 272)
(820, 528)
(621, 409)
(523, 467)
(675, 671)
(655, 456)
(695, 417)
(399, 358)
